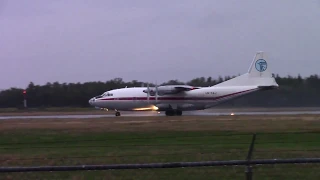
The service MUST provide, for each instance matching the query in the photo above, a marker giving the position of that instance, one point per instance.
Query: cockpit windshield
(107, 94)
(104, 95)
(100, 96)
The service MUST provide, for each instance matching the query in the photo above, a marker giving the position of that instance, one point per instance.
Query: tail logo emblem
(261, 65)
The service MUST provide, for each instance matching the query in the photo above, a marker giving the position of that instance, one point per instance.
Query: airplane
(174, 99)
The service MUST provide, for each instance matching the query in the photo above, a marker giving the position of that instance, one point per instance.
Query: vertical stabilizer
(259, 66)
(258, 74)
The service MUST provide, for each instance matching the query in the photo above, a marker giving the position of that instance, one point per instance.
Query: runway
(150, 113)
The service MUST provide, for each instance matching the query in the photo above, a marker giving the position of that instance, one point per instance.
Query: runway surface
(146, 113)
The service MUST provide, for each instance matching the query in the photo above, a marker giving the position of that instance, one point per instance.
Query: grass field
(161, 139)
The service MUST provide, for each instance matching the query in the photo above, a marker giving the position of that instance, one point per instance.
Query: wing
(184, 88)
(170, 89)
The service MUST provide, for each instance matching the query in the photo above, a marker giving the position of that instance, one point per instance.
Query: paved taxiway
(146, 113)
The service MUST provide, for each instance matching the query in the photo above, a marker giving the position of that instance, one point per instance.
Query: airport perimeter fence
(295, 159)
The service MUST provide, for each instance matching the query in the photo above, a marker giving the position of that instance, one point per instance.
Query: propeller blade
(156, 93)
(148, 93)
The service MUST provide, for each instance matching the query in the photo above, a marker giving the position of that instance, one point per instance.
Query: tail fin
(257, 75)
(259, 66)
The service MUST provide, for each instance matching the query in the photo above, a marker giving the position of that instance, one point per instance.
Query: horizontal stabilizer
(268, 87)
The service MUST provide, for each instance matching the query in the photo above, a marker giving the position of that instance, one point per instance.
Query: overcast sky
(153, 40)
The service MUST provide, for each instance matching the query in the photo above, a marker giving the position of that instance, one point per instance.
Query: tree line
(293, 92)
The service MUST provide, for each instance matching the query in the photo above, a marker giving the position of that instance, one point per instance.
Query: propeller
(156, 93)
(148, 93)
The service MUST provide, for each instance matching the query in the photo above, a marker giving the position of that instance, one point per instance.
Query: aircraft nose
(91, 101)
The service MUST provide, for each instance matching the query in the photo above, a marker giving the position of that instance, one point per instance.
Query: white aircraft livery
(174, 99)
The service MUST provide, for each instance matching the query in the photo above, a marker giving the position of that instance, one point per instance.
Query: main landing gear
(173, 112)
(118, 113)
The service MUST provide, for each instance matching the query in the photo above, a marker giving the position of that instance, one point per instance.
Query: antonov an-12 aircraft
(173, 99)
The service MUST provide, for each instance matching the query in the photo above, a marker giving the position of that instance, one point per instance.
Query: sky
(152, 40)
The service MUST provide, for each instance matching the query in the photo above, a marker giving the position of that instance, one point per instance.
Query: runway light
(232, 114)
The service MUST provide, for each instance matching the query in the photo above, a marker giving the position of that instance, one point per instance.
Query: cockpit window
(107, 94)
(100, 96)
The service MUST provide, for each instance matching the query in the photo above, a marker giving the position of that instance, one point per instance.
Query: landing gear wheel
(118, 113)
(178, 112)
(173, 112)
(169, 113)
